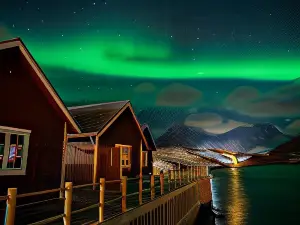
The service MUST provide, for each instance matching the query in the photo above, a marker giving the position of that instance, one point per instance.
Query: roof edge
(98, 104)
(17, 42)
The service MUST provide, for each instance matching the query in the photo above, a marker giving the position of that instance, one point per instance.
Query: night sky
(224, 63)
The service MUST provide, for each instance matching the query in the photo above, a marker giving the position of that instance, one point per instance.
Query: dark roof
(148, 135)
(93, 118)
(18, 43)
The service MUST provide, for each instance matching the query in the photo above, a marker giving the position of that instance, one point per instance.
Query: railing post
(11, 206)
(169, 179)
(179, 175)
(124, 193)
(152, 187)
(141, 189)
(188, 172)
(162, 185)
(183, 176)
(101, 199)
(68, 203)
(175, 178)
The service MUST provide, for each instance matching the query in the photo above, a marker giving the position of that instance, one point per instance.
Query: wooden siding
(148, 169)
(24, 104)
(124, 131)
(109, 167)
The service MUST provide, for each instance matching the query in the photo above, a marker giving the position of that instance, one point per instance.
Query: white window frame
(4, 171)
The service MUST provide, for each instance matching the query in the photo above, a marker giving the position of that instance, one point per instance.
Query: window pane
(20, 139)
(15, 151)
(125, 150)
(122, 162)
(2, 143)
(13, 139)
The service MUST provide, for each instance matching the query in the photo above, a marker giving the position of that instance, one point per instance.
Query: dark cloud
(281, 102)
(178, 95)
(4, 33)
(293, 128)
(145, 87)
(212, 123)
(203, 120)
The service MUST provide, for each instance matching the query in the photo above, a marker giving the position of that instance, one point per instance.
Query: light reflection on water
(263, 195)
(235, 211)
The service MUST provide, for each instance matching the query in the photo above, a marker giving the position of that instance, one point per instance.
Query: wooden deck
(85, 202)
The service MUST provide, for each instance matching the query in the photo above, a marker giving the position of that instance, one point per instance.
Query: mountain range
(240, 139)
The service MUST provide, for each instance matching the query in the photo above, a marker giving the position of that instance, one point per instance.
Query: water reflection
(231, 200)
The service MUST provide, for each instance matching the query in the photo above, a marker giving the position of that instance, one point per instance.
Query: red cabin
(114, 136)
(32, 120)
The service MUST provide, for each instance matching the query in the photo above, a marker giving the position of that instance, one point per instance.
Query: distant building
(111, 131)
(147, 153)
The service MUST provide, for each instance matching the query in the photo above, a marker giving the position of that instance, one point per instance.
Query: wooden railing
(168, 209)
(173, 205)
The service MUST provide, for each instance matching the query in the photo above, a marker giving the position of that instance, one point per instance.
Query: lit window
(126, 156)
(145, 158)
(14, 144)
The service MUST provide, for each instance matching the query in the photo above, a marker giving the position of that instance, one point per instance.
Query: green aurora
(136, 57)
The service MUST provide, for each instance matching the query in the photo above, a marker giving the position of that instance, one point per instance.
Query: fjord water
(260, 195)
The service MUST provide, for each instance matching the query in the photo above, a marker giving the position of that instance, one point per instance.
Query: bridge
(233, 159)
(170, 198)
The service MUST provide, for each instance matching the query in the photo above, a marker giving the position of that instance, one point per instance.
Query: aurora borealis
(228, 64)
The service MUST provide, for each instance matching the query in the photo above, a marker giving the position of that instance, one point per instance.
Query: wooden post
(101, 199)
(68, 203)
(141, 189)
(141, 174)
(175, 178)
(188, 173)
(152, 187)
(124, 193)
(11, 206)
(162, 185)
(183, 176)
(95, 162)
(169, 179)
(63, 163)
(179, 174)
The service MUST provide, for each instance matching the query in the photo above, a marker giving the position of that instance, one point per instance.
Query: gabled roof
(17, 42)
(147, 132)
(93, 118)
(97, 118)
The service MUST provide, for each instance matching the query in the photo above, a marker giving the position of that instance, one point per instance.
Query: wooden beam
(95, 163)
(91, 134)
(141, 158)
(63, 164)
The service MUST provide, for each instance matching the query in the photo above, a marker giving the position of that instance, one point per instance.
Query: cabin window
(14, 144)
(145, 158)
(126, 156)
